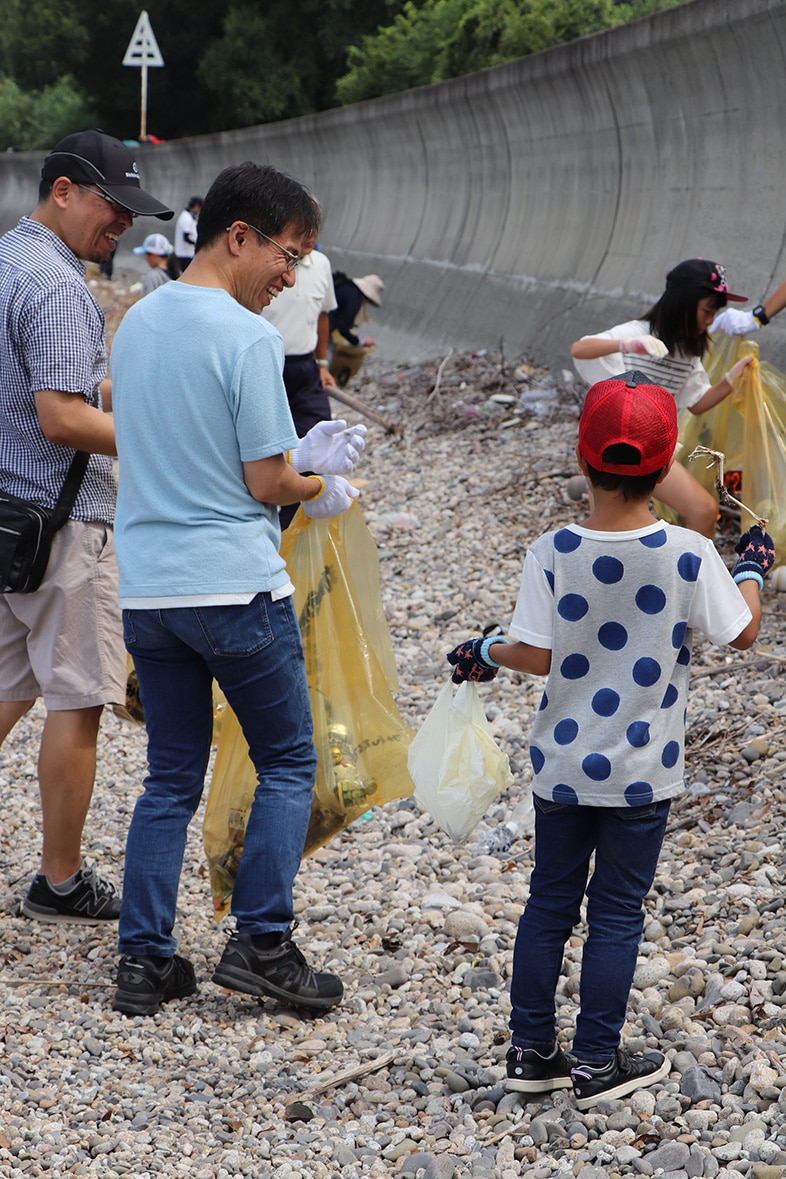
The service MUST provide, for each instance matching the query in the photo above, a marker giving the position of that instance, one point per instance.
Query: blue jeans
(626, 842)
(255, 654)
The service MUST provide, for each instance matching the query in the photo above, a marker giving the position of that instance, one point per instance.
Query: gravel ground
(405, 1077)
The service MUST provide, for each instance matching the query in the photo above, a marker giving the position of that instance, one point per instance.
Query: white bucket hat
(371, 287)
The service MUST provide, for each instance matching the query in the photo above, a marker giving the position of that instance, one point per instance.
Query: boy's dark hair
(261, 196)
(632, 486)
(673, 319)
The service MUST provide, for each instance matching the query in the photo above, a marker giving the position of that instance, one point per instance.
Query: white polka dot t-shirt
(618, 611)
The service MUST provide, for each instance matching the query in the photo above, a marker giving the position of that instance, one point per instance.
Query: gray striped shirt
(683, 376)
(51, 337)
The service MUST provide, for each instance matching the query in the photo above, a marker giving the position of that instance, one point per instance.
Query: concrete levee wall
(540, 200)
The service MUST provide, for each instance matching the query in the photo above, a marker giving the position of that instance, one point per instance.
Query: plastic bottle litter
(542, 391)
(495, 841)
(397, 519)
(539, 399)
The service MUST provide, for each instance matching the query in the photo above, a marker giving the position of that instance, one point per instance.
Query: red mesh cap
(628, 410)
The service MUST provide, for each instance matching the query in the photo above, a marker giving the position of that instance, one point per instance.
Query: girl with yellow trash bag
(668, 345)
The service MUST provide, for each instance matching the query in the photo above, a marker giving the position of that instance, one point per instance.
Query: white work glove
(335, 497)
(735, 323)
(736, 370)
(329, 448)
(643, 346)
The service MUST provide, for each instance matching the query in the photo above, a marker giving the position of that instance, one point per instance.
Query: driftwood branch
(433, 392)
(350, 1074)
(361, 407)
(51, 982)
(717, 459)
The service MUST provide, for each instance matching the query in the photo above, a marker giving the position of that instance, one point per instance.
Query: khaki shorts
(65, 641)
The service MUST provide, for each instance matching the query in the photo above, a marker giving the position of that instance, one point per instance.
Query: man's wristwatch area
(760, 314)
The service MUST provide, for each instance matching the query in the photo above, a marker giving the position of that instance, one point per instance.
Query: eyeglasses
(293, 260)
(118, 208)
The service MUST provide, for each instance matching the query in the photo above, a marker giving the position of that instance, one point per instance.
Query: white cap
(154, 243)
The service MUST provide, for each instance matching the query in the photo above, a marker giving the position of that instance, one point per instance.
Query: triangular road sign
(143, 48)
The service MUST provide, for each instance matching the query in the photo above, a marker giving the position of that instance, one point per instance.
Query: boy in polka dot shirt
(607, 611)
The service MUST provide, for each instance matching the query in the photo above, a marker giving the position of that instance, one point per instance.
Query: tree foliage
(228, 63)
(444, 39)
(33, 119)
(236, 63)
(403, 54)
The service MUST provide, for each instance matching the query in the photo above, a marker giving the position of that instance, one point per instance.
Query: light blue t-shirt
(196, 392)
(618, 611)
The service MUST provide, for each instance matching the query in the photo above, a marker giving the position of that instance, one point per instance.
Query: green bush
(444, 39)
(33, 120)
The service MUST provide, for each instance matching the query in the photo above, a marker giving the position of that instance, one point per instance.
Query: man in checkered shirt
(64, 641)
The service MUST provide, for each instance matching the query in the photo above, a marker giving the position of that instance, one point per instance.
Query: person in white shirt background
(300, 313)
(186, 232)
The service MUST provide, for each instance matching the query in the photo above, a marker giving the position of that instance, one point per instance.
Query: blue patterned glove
(757, 556)
(471, 660)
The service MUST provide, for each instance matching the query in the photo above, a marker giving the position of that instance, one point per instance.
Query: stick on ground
(361, 407)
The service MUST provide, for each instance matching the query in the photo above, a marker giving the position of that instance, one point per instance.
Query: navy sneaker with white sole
(530, 1072)
(617, 1077)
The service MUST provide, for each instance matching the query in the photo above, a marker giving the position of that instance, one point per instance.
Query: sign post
(143, 52)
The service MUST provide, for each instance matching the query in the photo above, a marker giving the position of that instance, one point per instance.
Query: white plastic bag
(456, 765)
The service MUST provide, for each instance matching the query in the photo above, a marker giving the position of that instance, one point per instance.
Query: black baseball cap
(702, 275)
(91, 157)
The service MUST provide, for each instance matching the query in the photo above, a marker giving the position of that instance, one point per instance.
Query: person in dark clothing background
(352, 296)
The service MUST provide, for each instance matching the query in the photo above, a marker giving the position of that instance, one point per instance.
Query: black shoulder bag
(27, 531)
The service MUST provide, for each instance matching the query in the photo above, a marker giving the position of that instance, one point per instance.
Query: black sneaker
(91, 900)
(280, 973)
(622, 1075)
(144, 983)
(529, 1072)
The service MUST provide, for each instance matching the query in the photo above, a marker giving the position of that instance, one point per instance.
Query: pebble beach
(405, 1077)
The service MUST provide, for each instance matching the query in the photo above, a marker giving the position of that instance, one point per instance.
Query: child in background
(668, 346)
(161, 259)
(607, 610)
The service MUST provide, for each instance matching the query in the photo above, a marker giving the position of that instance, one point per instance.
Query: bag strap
(67, 497)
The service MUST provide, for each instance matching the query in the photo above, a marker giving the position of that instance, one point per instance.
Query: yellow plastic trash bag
(360, 737)
(456, 765)
(347, 358)
(749, 427)
(133, 709)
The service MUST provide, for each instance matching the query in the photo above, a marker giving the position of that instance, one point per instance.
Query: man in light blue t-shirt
(203, 435)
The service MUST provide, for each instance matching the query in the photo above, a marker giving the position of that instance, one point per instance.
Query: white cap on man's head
(154, 243)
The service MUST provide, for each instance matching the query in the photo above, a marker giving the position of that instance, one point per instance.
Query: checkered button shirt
(51, 337)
